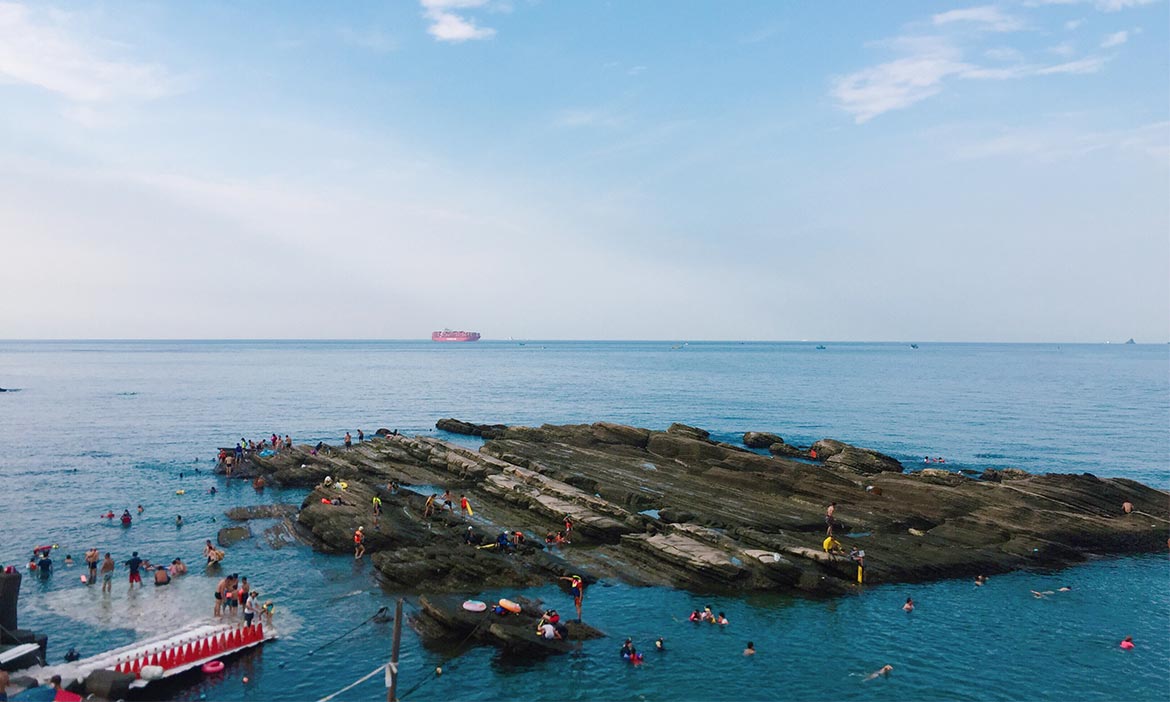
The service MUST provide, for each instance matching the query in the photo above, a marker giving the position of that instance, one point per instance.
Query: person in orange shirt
(359, 549)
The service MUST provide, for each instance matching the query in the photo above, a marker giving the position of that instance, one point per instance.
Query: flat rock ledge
(678, 509)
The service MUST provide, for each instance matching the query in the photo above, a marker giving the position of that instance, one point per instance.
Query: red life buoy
(213, 667)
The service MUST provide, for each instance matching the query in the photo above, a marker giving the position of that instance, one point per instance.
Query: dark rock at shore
(675, 508)
(760, 439)
(455, 426)
(859, 460)
(1000, 474)
(229, 536)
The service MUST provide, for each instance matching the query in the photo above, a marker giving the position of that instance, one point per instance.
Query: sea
(92, 426)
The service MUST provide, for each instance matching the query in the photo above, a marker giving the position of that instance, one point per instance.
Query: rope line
(354, 684)
(380, 611)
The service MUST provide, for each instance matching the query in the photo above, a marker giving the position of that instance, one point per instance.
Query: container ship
(448, 335)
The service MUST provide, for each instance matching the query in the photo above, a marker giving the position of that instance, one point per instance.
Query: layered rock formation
(676, 508)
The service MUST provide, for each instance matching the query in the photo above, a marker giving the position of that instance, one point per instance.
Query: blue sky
(869, 171)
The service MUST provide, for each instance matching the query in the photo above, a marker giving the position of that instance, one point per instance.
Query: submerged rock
(229, 536)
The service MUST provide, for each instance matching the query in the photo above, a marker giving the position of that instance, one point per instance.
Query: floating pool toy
(180, 492)
(511, 606)
(474, 606)
(213, 667)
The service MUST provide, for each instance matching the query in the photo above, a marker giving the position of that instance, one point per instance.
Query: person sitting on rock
(503, 542)
(471, 538)
(547, 631)
(832, 546)
(517, 538)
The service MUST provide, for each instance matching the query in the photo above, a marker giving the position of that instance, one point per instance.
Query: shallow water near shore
(110, 425)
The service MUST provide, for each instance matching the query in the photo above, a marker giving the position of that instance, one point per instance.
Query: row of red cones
(209, 647)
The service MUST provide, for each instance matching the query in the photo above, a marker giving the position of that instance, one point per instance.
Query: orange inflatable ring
(511, 606)
(213, 667)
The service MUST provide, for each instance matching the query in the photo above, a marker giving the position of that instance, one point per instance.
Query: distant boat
(913, 346)
(448, 335)
(821, 347)
(1131, 341)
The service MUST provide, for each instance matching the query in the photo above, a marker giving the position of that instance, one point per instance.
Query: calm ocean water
(109, 425)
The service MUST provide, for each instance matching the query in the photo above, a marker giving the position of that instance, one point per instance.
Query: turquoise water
(108, 425)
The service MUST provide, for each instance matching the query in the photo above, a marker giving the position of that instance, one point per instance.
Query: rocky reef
(676, 508)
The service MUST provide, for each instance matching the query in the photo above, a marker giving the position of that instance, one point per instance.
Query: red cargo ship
(448, 335)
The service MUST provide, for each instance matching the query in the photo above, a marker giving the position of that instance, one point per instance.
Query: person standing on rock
(377, 511)
(108, 567)
(577, 590)
(91, 562)
(134, 564)
(361, 436)
(829, 512)
(348, 441)
(465, 506)
(1127, 507)
(429, 507)
(359, 549)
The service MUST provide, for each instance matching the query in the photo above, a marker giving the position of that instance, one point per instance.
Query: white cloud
(1064, 48)
(1073, 24)
(636, 70)
(1115, 39)
(985, 16)
(40, 48)
(450, 26)
(930, 62)
(894, 85)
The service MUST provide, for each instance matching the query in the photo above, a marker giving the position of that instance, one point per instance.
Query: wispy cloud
(1089, 64)
(40, 48)
(894, 85)
(987, 17)
(898, 84)
(1118, 5)
(588, 118)
(1073, 24)
(451, 26)
(1060, 142)
(1115, 39)
(1102, 5)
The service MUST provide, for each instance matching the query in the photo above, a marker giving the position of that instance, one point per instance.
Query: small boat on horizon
(913, 346)
(821, 347)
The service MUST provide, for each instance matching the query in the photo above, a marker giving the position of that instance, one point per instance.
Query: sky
(586, 170)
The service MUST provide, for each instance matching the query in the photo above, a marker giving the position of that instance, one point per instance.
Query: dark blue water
(108, 425)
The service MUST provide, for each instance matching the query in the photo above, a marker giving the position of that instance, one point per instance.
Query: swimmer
(909, 606)
(880, 672)
(980, 580)
(179, 520)
(721, 620)
(750, 650)
(1127, 643)
(659, 644)
(1040, 595)
(141, 509)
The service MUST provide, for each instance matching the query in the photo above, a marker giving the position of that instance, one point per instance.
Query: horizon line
(567, 340)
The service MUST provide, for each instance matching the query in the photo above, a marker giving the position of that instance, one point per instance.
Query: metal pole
(392, 693)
